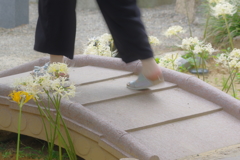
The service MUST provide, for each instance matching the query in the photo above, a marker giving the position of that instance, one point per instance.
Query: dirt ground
(227, 152)
(216, 77)
(30, 148)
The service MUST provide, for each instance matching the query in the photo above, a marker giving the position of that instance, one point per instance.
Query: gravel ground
(16, 44)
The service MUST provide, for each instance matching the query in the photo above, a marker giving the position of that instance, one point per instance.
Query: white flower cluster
(169, 61)
(154, 40)
(40, 85)
(223, 59)
(231, 60)
(57, 68)
(173, 31)
(224, 8)
(189, 43)
(201, 48)
(102, 46)
(196, 46)
(234, 58)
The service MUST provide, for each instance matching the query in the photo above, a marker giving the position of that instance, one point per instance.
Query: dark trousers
(56, 27)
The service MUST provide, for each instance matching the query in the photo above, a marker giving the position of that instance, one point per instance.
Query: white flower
(208, 48)
(235, 53)
(153, 40)
(169, 61)
(44, 81)
(189, 43)
(233, 63)
(201, 48)
(104, 45)
(106, 37)
(30, 85)
(198, 49)
(60, 86)
(222, 58)
(56, 68)
(222, 9)
(231, 60)
(71, 91)
(174, 30)
(104, 50)
(101, 46)
(238, 65)
(41, 85)
(91, 50)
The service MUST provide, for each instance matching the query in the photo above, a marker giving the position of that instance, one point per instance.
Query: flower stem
(195, 63)
(19, 128)
(225, 85)
(229, 35)
(206, 25)
(179, 37)
(189, 24)
(203, 65)
(59, 140)
(231, 84)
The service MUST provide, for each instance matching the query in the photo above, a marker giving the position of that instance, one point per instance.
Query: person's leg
(55, 31)
(150, 69)
(56, 28)
(124, 22)
(56, 58)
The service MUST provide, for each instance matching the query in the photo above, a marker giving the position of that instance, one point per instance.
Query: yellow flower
(21, 97)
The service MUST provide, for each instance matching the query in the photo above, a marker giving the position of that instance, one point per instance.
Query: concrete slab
(91, 74)
(192, 136)
(152, 108)
(110, 89)
(9, 80)
(78, 75)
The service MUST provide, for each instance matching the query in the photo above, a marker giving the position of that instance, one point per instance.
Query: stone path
(177, 119)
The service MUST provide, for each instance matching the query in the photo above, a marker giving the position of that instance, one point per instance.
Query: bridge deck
(169, 121)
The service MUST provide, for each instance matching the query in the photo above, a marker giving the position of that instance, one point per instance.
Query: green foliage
(225, 83)
(2, 146)
(183, 69)
(55, 155)
(238, 77)
(6, 154)
(157, 59)
(189, 56)
(30, 152)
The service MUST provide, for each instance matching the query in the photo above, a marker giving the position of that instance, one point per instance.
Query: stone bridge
(182, 116)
